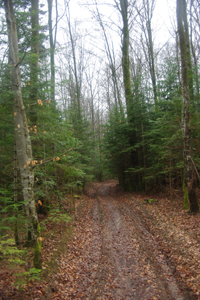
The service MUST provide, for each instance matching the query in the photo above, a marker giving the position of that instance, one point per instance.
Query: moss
(17, 241)
(38, 230)
(37, 255)
(35, 224)
(37, 249)
(186, 200)
(28, 242)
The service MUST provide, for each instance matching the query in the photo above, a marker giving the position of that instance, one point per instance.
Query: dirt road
(113, 255)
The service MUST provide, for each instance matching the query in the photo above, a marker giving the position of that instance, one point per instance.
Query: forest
(93, 91)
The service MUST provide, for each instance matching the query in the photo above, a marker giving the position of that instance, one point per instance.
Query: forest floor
(119, 247)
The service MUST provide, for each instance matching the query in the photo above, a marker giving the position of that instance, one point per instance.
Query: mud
(116, 256)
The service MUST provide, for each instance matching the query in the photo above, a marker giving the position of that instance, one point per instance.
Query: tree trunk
(125, 57)
(189, 180)
(17, 242)
(34, 51)
(23, 143)
(112, 65)
(193, 50)
(151, 61)
(52, 45)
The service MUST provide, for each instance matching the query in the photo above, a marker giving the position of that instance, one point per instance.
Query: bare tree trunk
(23, 143)
(189, 180)
(193, 50)
(149, 14)
(112, 65)
(178, 63)
(52, 45)
(17, 242)
(77, 81)
(125, 56)
(35, 52)
(146, 14)
(188, 53)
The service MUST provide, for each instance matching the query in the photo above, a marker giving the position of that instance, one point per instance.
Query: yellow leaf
(18, 125)
(24, 85)
(15, 113)
(57, 158)
(28, 83)
(44, 131)
(39, 202)
(41, 162)
(54, 159)
(39, 102)
(24, 166)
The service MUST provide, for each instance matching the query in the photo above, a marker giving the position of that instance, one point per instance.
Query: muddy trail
(113, 255)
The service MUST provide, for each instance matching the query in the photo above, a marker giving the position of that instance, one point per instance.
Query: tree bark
(34, 51)
(125, 57)
(52, 45)
(182, 30)
(112, 65)
(23, 143)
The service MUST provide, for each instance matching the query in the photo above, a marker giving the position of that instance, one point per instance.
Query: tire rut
(114, 256)
(131, 266)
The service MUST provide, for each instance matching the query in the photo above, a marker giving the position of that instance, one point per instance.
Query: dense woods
(94, 100)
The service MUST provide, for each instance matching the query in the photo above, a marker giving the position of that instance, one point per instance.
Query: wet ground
(112, 255)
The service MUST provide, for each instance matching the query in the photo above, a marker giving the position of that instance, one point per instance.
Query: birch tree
(22, 138)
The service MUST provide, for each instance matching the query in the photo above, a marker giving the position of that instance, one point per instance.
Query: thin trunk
(77, 83)
(23, 143)
(188, 53)
(125, 57)
(151, 61)
(178, 63)
(15, 195)
(143, 152)
(194, 51)
(52, 42)
(34, 51)
(189, 180)
(111, 59)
